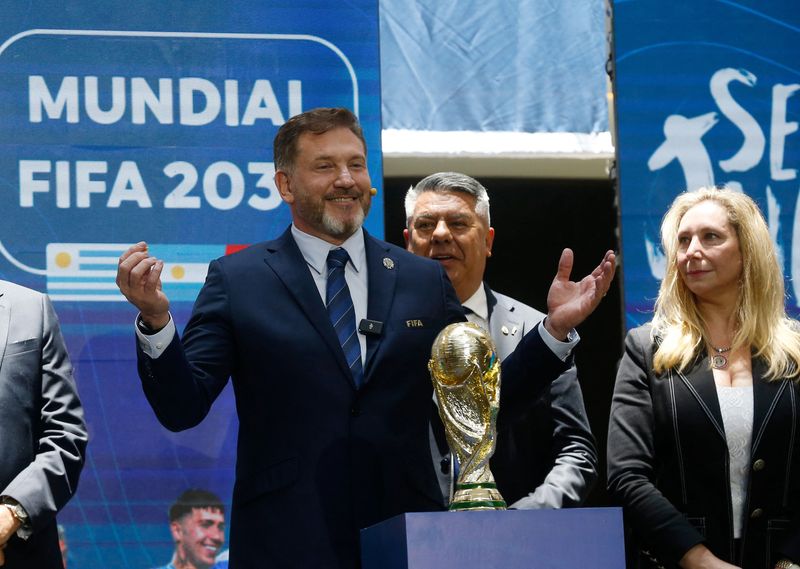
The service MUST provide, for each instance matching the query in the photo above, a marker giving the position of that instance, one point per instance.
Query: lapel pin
(504, 330)
(388, 263)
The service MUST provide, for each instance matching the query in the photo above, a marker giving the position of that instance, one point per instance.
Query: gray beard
(317, 216)
(340, 228)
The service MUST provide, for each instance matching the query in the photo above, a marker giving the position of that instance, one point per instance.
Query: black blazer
(668, 462)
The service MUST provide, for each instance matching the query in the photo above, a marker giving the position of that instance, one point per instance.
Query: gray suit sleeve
(47, 483)
(575, 469)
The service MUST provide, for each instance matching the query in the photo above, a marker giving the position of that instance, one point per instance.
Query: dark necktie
(341, 312)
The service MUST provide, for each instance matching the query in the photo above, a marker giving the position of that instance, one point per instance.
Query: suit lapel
(504, 327)
(765, 397)
(699, 380)
(382, 267)
(285, 259)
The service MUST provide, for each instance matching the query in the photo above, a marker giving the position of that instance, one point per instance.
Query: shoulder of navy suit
(260, 249)
(256, 253)
(416, 270)
(378, 246)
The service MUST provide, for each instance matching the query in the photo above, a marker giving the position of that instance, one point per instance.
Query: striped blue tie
(341, 312)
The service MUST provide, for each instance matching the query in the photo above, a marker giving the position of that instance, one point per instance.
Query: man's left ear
(175, 530)
(284, 187)
(489, 241)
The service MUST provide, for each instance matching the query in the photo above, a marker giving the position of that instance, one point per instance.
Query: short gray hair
(449, 182)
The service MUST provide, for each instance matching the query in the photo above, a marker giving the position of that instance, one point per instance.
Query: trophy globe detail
(465, 372)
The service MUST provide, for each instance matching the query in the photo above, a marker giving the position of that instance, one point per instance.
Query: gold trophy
(465, 372)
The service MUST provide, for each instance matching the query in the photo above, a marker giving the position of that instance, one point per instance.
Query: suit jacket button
(757, 513)
(355, 411)
(444, 465)
(759, 465)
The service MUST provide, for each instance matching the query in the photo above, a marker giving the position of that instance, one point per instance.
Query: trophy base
(480, 496)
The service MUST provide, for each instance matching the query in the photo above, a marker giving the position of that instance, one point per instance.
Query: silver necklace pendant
(718, 361)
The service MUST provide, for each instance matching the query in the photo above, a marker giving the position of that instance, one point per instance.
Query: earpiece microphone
(373, 191)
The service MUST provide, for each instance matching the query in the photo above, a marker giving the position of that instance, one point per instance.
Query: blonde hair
(760, 314)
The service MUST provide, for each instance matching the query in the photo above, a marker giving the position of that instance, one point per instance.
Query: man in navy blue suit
(328, 444)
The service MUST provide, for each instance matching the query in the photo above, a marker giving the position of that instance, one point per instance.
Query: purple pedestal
(530, 539)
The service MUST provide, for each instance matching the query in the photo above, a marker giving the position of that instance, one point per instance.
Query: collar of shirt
(479, 306)
(315, 250)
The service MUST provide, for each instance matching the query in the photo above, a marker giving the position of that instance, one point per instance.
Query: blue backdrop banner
(707, 92)
(128, 121)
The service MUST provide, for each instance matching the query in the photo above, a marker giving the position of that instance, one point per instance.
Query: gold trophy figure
(465, 372)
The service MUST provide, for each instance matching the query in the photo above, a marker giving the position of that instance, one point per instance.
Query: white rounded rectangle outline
(195, 35)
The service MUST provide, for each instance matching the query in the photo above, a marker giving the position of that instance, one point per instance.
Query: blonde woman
(704, 435)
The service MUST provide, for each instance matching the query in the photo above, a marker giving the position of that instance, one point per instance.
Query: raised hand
(139, 280)
(568, 302)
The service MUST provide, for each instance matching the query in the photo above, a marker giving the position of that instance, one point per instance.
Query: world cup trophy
(465, 372)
